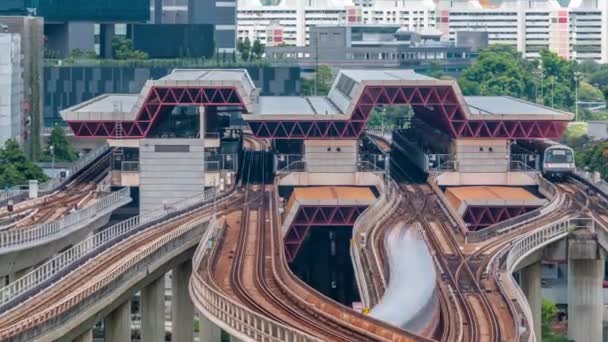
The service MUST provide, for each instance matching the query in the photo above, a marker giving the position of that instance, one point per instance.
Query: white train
(557, 159)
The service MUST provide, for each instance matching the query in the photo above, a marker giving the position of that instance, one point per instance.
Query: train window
(490, 149)
(481, 149)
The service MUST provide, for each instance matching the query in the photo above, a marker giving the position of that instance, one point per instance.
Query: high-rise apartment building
(11, 88)
(30, 30)
(578, 31)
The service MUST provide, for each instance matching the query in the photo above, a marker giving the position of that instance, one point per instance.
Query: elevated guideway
(37, 229)
(67, 295)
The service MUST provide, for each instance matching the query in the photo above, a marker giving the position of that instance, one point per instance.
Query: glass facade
(74, 10)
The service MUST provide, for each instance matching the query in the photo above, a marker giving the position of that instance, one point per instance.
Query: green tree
(548, 312)
(244, 48)
(76, 54)
(600, 78)
(15, 169)
(500, 70)
(587, 92)
(320, 84)
(63, 150)
(257, 49)
(123, 48)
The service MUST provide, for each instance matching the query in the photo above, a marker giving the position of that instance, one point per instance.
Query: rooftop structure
(369, 46)
(339, 115)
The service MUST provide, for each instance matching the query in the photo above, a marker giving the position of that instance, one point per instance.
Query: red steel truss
(438, 105)
(317, 216)
(480, 217)
(160, 101)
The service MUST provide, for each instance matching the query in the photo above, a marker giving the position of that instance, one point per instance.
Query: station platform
(321, 206)
(482, 206)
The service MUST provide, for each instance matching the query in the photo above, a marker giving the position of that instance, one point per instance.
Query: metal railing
(596, 180)
(15, 290)
(516, 165)
(519, 250)
(232, 316)
(221, 162)
(384, 133)
(86, 296)
(330, 167)
(11, 240)
(129, 166)
(283, 160)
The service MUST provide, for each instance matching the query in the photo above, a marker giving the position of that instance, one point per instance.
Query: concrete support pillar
(33, 188)
(209, 332)
(182, 309)
(87, 336)
(118, 324)
(530, 284)
(585, 297)
(153, 312)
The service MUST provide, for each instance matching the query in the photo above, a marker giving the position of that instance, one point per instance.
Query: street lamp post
(576, 78)
(52, 150)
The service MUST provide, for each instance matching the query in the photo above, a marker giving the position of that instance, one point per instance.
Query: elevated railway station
(292, 207)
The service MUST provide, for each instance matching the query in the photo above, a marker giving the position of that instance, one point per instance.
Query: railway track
(257, 276)
(66, 291)
(76, 194)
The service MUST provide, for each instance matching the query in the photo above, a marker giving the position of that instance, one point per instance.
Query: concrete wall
(597, 130)
(482, 155)
(330, 155)
(170, 170)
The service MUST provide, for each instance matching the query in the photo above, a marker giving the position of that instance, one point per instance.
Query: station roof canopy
(491, 196)
(341, 114)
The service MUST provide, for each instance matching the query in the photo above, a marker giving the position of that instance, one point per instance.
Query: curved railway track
(43, 306)
(76, 194)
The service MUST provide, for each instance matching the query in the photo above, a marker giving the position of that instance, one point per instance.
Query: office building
(388, 46)
(11, 88)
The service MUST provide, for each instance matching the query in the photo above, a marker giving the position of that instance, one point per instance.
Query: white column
(585, 296)
(153, 312)
(33, 188)
(531, 286)
(118, 324)
(208, 332)
(182, 309)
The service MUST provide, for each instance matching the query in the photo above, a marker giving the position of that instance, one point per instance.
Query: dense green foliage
(15, 169)
(323, 79)
(122, 48)
(63, 150)
(249, 51)
(390, 117)
(548, 313)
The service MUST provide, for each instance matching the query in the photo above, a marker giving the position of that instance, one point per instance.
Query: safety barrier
(12, 292)
(519, 250)
(386, 134)
(228, 314)
(331, 166)
(88, 295)
(15, 239)
(598, 182)
(370, 217)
